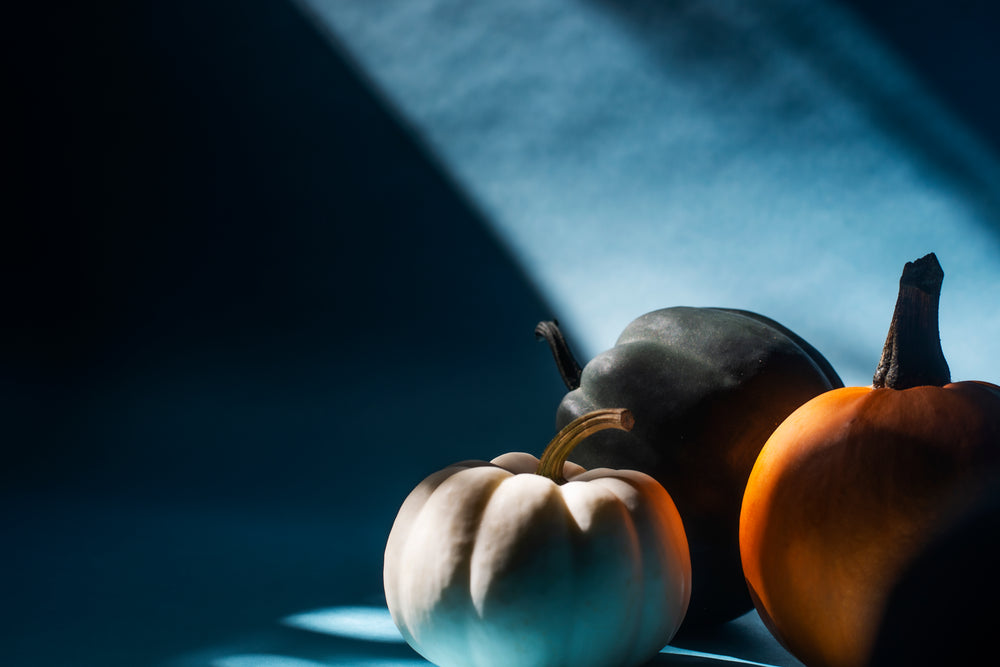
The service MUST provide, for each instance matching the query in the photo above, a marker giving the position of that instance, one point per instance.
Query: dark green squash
(707, 387)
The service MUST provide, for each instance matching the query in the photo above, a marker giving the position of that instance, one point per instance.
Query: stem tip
(566, 363)
(912, 355)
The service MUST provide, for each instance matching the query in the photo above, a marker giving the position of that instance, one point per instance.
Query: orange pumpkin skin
(844, 494)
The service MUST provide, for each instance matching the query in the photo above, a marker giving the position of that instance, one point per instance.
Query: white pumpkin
(491, 564)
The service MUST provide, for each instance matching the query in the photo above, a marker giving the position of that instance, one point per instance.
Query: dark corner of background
(232, 272)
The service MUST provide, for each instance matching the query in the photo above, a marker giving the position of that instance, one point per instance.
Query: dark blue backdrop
(238, 290)
(244, 313)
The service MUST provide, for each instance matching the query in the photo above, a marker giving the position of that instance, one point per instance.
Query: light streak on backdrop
(765, 155)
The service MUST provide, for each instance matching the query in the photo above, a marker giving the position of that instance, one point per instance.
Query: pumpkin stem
(568, 367)
(912, 355)
(557, 451)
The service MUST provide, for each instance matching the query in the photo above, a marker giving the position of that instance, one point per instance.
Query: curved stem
(912, 355)
(568, 367)
(557, 451)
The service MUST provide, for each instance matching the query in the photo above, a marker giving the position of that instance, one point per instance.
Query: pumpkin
(850, 487)
(707, 386)
(521, 561)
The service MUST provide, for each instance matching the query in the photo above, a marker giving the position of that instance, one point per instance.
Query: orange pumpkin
(849, 488)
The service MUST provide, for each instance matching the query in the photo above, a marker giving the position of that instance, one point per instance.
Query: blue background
(255, 291)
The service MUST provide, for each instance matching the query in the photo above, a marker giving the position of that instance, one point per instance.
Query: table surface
(102, 581)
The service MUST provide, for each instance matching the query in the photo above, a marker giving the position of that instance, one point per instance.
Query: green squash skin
(707, 387)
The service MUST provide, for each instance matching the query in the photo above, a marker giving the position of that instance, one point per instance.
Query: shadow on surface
(746, 637)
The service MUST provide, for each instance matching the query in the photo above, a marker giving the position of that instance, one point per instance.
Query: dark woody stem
(912, 355)
(568, 367)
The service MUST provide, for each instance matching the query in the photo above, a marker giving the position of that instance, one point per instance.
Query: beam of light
(375, 624)
(711, 656)
(372, 624)
(264, 660)
(772, 156)
(269, 660)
